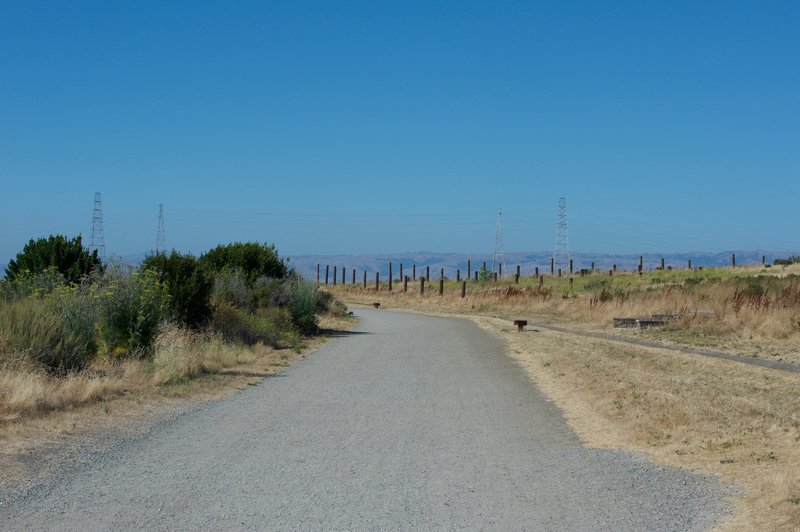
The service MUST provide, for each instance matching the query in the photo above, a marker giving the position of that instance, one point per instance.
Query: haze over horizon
(376, 128)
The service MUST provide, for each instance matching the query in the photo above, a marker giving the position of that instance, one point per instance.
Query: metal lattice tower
(561, 253)
(97, 239)
(499, 256)
(161, 235)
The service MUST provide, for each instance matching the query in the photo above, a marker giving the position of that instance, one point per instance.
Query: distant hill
(528, 261)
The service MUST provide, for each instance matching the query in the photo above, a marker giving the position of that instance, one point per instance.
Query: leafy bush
(67, 256)
(28, 284)
(132, 306)
(303, 306)
(189, 286)
(254, 260)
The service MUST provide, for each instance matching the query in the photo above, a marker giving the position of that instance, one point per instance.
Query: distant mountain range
(306, 265)
(528, 261)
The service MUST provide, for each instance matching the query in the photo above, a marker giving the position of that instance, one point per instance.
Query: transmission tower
(561, 253)
(499, 256)
(161, 235)
(97, 240)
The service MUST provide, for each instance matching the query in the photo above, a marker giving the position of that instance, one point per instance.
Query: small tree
(187, 283)
(254, 260)
(67, 256)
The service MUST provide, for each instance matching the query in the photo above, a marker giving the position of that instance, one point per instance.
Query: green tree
(68, 256)
(188, 284)
(254, 260)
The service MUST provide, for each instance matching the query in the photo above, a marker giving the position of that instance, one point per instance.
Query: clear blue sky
(344, 127)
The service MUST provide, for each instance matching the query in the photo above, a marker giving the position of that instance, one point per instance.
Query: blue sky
(358, 127)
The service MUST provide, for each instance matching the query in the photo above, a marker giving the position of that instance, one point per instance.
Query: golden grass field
(734, 420)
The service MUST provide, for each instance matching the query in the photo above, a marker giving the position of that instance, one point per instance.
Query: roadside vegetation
(75, 331)
(738, 421)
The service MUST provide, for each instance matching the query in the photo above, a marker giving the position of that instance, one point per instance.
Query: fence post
(541, 280)
(615, 267)
(552, 266)
(405, 283)
(422, 286)
(428, 273)
(458, 275)
(317, 273)
(463, 289)
(441, 287)
(401, 271)
(763, 260)
(476, 275)
(559, 272)
(733, 262)
(516, 277)
(500, 269)
(353, 282)
(641, 261)
(469, 269)
(690, 264)
(570, 281)
(390, 277)
(365, 279)
(441, 273)
(377, 281)
(537, 271)
(610, 273)
(592, 266)
(334, 276)
(662, 264)
(327, 267)
(413, 272)
(570, 266)
(344, 277)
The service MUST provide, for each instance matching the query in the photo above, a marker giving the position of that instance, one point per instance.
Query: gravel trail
(408, 422)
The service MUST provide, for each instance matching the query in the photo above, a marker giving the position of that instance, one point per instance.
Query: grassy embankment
(733, 420)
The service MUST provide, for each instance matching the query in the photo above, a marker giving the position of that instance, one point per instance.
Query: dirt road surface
(407, 422)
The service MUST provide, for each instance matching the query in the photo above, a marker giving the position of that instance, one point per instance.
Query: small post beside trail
(377, 281)
(458, 275)
(559, 272)
(610, 273)
(469, 269)
(344, 278)
(570, 267)
(327, 267)
(763, 260)
(353, 282)
(662, 264)
(422, 286)
(390, 277)
(592, 266)
(476, 275)
(365, 279)
(541, 280)
(733, 262)
(334, 276)
(516, 275)
(690, 264)
(317, 273)
(537, 271)
(641, 261)
(552, 266)
(413, 272)
(428, 273)
(500, 270)
(441, 286)
(401, 271)
(570, 281)
(441, 273)
(495, 277)
(405, 283)
(463, 289)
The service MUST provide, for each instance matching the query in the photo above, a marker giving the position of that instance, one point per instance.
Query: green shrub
(189, 286)
(303, 306)
(230, 287)
(33, 330)
(131, 308)
(28, 284)
(786, 262)
(254, 260)
(239, 325)
(67, 256)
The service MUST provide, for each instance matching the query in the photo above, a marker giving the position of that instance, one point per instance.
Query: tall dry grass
(179, 355)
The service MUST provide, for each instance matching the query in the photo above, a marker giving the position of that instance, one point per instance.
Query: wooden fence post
(401, 271)
(390, 277)
(469, 269)
(365, 279)
(570, 266)
(537, 271)
(733, 262)
(463, 289)
(377, 281)
(353, 282)
(458, 275)
(552, 266)
(317, 273)
(641, 262)
(334, 276)
(428, 273)
(422, 286)
(500, 269)
(327, 266)
(441, 287)
(476, 275)
(413, 272)
(405, 283)
(516, 277)
(662, 264)
(690, 264)
(559, 272)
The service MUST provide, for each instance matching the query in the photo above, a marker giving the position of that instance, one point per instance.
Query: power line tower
(97, 240)
(161, 235)
(561, 253)
(499, 256)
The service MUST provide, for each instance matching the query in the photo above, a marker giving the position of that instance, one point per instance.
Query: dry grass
(752, 311)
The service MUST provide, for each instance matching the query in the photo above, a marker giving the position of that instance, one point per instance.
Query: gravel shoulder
(406, 422)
